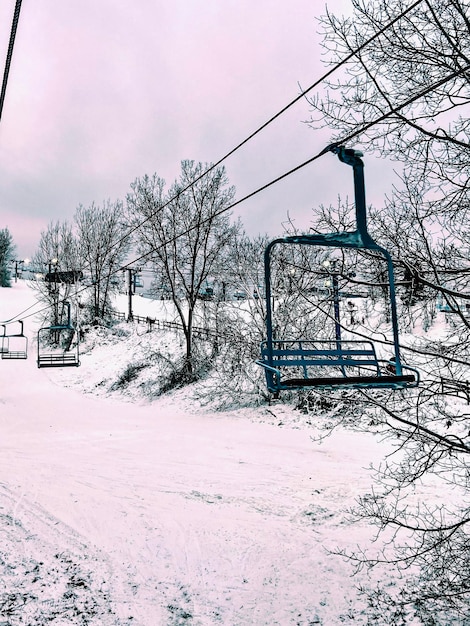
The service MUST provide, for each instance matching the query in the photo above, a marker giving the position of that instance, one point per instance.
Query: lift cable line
(343, 140)
(325, 150)
(347, 138)
(11, 44)
(269, 121)
(242, 143)
(303, 93)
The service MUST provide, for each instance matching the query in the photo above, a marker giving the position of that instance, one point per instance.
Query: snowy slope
(116, 513)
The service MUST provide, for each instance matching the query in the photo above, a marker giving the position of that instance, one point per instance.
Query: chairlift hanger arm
(348, 155)
(353, 158)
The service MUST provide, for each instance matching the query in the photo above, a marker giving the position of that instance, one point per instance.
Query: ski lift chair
(14, 344)
(334, 364)
(61, 354)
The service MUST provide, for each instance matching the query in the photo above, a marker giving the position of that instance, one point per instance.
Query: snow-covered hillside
(160, 513)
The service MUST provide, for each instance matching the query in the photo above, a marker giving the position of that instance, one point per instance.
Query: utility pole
(53, 291)
(131, 280)
(130, 316)
(335, 296)
(335, 285)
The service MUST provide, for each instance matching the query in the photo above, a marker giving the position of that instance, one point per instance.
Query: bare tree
(301, 310)
(184, 235)
(425, 224)
(236, 310)
(103, 246)
(57, 253)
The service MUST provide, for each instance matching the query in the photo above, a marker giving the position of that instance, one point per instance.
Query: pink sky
(103, 92)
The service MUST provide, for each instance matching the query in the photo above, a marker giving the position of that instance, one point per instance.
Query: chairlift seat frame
(296, 354)
(277, 355)
(21, 343)
(56, 359)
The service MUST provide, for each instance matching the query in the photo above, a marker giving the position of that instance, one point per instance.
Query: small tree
(6, 253)
(103, 245)
(184, 234)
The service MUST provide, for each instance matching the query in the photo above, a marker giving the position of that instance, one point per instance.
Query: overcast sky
(103, 91)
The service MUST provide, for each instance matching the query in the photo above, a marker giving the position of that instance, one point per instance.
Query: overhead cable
(328, 148)
(325, 150)
(302, 94)
(345, 139)
(6, 72)
(272, 119)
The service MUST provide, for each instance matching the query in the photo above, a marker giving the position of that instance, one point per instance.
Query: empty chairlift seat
(14, 343)
(340, 362)
(326, 364)
(58, 345)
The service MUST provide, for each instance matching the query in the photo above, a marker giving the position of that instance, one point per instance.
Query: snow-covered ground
(158, 513)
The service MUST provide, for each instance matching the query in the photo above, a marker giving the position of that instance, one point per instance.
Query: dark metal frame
(53, 359)
(277, 353)
(5, 347)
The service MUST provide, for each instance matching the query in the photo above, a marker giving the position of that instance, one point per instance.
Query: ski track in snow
(113, 513)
